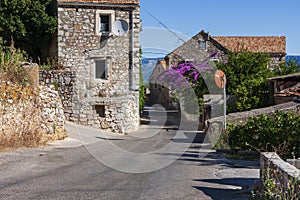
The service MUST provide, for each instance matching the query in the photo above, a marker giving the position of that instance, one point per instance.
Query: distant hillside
(148, 64)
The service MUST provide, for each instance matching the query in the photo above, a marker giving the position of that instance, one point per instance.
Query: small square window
(202, 44)
(100, 110)
(104, 23)
(100, 69)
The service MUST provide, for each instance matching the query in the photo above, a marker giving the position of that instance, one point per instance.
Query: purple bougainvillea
(187, 73)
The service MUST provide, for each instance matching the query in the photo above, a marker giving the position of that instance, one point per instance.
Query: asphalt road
(70, 170)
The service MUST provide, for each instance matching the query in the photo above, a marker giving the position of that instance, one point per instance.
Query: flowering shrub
(246, 74)
(190, 80)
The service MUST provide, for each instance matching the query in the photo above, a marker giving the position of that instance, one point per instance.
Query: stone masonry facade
(109, 102)
(64, 82)
(191, 50)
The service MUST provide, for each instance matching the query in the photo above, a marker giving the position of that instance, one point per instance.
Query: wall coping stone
(240, 116)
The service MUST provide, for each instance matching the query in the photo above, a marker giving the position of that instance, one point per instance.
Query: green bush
(52, 63)
(247, 75)
(142, 88)
(11, 64)
(142, 97)
(31, 23)
(279, 132)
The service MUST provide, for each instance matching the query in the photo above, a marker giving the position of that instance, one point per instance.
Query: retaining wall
(280, 171)
(64, 82)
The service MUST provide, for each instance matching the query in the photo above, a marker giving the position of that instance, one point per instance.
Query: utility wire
(161, 23)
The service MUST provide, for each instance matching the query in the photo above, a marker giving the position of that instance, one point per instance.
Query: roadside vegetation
(142, 88)
(247, 74)
(11, 60)
(52, 64)
(278, 132)
(271, 188)
(20, 117)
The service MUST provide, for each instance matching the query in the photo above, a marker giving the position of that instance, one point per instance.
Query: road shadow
(244, 183)
(223, 194)
(243, 192)
(204, 159)
(191, 137)
(112, 139)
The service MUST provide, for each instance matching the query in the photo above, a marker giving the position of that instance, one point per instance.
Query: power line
(161, 23)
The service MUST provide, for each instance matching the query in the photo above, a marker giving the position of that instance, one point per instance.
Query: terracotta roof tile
(104, 1)
(266, 44)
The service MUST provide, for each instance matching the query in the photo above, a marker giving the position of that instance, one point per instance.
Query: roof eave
(90, 4)
(294, 75)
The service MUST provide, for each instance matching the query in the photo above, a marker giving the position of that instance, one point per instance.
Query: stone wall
(80, 46)
(26, 109)
(282, 172)
(115, 114)
(52, 113)
(64, 82)
(241, 117)
(276, 61)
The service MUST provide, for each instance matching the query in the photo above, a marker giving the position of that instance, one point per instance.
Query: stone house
(159, 91)
(202, 45)
(104, 60)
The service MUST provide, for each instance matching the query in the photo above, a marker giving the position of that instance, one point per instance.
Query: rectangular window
(104, 23)
(100, 110)
(100, 69)
(202, 44)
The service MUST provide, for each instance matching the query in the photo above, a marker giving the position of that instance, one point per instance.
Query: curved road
(67, 170)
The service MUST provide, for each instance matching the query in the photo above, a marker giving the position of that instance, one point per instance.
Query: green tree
(142, 95)
(30, 23)
(247, 75)
(290, 67)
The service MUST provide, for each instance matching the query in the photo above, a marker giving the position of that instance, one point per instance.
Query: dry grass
(21, 126)
(20, 112)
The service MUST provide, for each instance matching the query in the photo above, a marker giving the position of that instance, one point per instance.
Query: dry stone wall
(282, 172)
(26, 108)
(53, 119)
(64, 82)
(242, 117)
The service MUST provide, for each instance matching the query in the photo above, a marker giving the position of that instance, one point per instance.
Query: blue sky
(224, 17)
